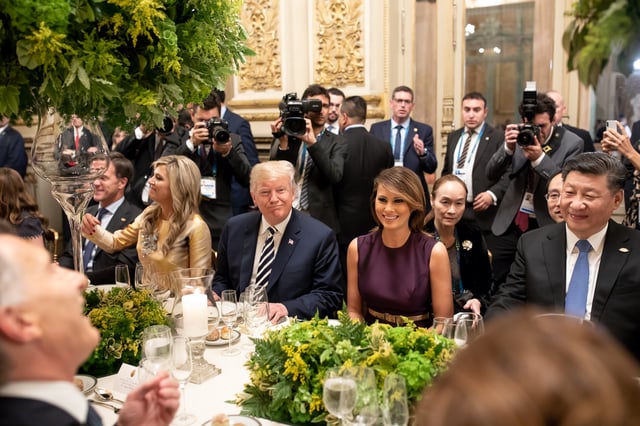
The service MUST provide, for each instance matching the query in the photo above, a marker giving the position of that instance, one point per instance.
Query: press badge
(398, 163)
(527, 204)
(208, 187)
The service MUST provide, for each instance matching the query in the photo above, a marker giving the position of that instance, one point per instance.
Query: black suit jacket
(104, 264)
(582, 134)
(305, 274)
(537, 277)
(12, 151)
(236, 166)
(32, 412)
(240, 196)
(366, 157)
(492, 140)
(426, 163)
(141, 152)
(328, 155)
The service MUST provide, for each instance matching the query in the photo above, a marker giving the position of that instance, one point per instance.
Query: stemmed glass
(395, 410)
(122, 276)
(156, 345)
(229, 315)
(142, 278)
(339, 392)
(181, 367)
(256, 311)
(365, 411)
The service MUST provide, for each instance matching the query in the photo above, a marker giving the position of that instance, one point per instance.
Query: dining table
(214, 396)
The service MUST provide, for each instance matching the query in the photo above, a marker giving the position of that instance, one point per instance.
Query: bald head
(561, 108)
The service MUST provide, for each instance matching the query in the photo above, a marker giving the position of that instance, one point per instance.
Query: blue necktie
(576, 300)
(397, 147)
(87, 255)
(93, 418)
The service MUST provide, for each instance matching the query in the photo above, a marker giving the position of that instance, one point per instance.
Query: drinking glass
(365, 411)
(229, 315)
(142, 279)
(156, 344)
(395, 410)
(256, 311)
(440, 325)
(122, 276)
(339, 392)
(181, 367)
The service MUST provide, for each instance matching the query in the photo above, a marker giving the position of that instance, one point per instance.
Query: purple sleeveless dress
(395, 280)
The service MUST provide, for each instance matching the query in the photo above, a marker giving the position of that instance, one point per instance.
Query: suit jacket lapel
(611, 264)
(285, 249)
(249, 249)
(555, 261)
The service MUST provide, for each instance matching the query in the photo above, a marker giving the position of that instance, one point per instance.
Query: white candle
(194, 311)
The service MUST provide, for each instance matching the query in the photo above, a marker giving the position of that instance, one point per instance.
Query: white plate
(88, 382)
(235, 336)
(238, 420)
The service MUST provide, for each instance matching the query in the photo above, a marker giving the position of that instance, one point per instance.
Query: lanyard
(213, 163)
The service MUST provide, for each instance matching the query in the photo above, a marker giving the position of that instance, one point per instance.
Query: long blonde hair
(184, 184)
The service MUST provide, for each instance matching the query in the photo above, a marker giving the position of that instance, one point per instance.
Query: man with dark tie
(12, 151)
(292, 255)
(411, 141)
(45, 337)
(586, 267)
(115, 212)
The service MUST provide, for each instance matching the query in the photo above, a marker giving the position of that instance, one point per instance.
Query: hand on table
(277, 311)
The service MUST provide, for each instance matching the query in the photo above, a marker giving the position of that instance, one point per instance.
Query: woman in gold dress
(170, 234)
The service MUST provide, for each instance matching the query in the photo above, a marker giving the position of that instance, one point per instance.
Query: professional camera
(218, 130)
(292, 111)
(528, 130)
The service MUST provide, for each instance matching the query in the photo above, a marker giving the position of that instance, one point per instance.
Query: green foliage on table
(116, 58)
(598, 29)
(121, 315)
(288, 366)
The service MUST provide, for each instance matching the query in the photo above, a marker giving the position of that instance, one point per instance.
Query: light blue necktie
(90, 247)
(576, 301)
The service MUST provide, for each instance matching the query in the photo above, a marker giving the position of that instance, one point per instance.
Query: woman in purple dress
(397, 270)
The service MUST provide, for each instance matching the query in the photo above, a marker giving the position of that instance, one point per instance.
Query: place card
(127, 378)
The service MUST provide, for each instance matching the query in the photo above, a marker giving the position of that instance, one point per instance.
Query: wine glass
(142, 278)
(365, 411)
(229, 315)
(156, 344)
(395, 410)
(122, 276)
(339, 392)
(181, 367)
(440, 325)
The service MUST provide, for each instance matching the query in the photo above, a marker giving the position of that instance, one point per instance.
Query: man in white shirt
(586, 267)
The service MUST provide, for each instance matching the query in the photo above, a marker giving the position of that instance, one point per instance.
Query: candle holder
(191, 319)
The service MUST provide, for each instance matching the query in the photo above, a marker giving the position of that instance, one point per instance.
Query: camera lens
(295, 126)
(220, 135)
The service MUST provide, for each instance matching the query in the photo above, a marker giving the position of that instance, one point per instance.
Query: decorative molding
(447, 122)
(340, 43)
(262, 71)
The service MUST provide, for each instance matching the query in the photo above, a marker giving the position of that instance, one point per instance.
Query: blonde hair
(272, 170)
(406, 183)
(184, 184)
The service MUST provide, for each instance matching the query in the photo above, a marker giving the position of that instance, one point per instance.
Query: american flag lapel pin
(290, 242)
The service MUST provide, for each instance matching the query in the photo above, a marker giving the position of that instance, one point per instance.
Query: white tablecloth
(207, 399)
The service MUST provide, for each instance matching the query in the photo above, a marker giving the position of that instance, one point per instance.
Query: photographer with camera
(220, 156)
(533, 152)
(317, 154)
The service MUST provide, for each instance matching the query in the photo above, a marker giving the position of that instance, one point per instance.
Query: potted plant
(116, 59)
(121, 315)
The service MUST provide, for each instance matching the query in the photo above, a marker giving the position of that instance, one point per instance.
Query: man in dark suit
(318, 157)
(468, 152)
(117, 213)
(240, 196)
(143, 148)
(12, 151)
(45, 337)
(526, 170)
(410, 140)
(219, 161)
(603, 286)
(366, 157)
(561, 110)
(292, 255)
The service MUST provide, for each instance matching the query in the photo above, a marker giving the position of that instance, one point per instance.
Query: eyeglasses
(554, 196)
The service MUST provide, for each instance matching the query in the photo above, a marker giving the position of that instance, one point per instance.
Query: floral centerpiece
(121, 315)
(120, 59)
(288, 366)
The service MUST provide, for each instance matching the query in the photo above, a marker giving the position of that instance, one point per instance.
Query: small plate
(235, 336)
(88, 382)
(238, 420)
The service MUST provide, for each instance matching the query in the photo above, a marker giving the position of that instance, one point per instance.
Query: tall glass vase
(70, 154)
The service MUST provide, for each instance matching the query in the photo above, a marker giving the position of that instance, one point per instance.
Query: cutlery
(104, 404)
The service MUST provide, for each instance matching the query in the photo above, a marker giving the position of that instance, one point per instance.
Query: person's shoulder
(10, 131)
(310, 224)
(129, 208)
(241, 220)
(551, 231)
(569, 137)
(420, 125)
(380, 124)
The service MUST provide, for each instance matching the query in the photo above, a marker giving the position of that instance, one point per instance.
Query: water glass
(395, 409)
(122, 276)
(142, 278)
(156, 347)
(339, 392)
(365, 411)
(181, 368)
(229, 315)
(256, 311)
